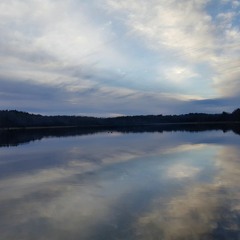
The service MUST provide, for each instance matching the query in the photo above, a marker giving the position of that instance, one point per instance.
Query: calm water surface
(136, 186)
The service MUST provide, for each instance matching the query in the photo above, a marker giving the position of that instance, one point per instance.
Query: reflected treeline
(14, 137)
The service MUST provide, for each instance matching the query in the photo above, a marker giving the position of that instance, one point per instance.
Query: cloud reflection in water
(130, 186)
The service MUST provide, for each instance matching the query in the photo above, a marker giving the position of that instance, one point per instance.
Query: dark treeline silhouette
(14, 137)
(17, 119)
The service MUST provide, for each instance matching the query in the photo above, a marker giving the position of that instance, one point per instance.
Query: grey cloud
(47, 70)
(96, 99)
(26, 54)
(27, 96)
(216, 105)
(25, 90)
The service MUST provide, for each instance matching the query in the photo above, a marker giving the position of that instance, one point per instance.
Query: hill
(18, 119)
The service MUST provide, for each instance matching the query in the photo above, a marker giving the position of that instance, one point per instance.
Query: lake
(117, 185)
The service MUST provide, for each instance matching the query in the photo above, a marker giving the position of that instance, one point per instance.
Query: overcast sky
(119, 57)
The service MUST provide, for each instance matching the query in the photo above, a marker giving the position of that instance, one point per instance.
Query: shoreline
(120, 126)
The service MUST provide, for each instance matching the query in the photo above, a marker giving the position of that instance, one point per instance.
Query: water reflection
(203, 211)
(122, 186)
(15, 137)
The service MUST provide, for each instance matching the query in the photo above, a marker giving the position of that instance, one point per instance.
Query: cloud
(70, 91)
(183, 27)
(118, 57)
(190, 33)
(180, 74)
(38, 35)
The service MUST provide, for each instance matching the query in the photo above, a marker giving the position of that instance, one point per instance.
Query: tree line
(19, 119)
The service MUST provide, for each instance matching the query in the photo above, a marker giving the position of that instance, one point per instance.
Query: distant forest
(18, 119)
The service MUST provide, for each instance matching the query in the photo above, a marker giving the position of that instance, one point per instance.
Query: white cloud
(99, 50)
(235, 3)
(183, 27)
(226, 16)
(186, 33)
(63, 35)
(179, 74)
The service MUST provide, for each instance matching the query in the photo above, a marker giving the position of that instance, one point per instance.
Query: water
(111, 185)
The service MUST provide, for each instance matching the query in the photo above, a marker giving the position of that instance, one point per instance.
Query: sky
(119, 57)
